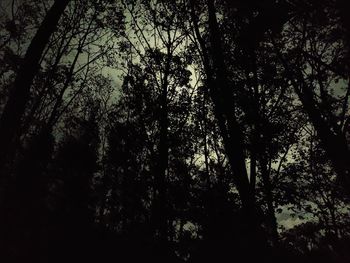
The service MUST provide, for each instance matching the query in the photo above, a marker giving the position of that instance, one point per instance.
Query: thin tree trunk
(343, 7)
(269, 200)
(205, 139)
(252, 176)
(160, 217)
(161, 170)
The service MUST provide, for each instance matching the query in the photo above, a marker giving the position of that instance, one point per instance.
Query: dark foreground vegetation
(174, 131)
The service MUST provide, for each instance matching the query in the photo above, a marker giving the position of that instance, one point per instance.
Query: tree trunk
(160, 217)
(10, 120)
(271, 217)
(223, 100)
(205, 140)
(332, 138)
(162, 165)
(343, 7)
(224, 112)
(10, 123)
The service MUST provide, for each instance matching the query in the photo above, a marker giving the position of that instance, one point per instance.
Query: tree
(314, 89)
(175, 131)
(15, 106)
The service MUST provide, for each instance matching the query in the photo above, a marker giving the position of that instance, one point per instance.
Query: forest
(174, 131)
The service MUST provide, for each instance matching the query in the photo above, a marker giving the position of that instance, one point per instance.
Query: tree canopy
(174, 131)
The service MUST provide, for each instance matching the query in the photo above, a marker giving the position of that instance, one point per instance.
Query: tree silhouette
(174, 131)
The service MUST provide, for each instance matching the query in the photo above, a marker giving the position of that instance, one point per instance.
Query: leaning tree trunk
(10, 120)
(232, 134)
(223, 105)
(222, 98)
(332, 138)
(10, 123)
